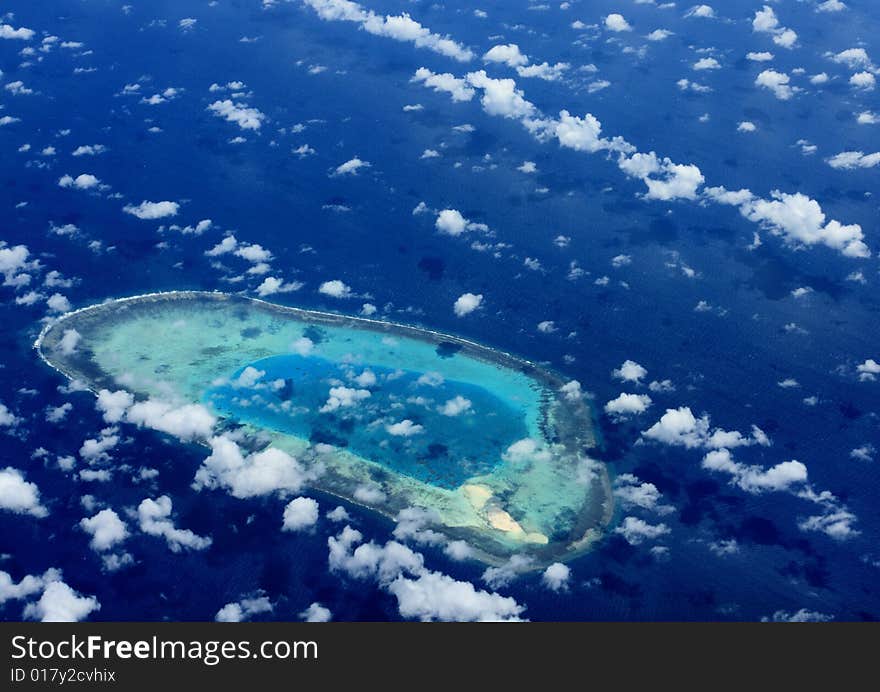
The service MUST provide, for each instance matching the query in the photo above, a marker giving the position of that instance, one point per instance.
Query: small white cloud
(84, 181)
(466, 303)
(404, 428)
(508, 54)
(350, 167)
(272, 285)
(244, 116)
(335, 289)
(154, 517)
(616, 22)
(636, 531)
(300, 513)
(316, 613)
(706, 64)
(556, 576)
(106, 529)
(152, 210)
(18, 495)
(627, 405)
(630, 371)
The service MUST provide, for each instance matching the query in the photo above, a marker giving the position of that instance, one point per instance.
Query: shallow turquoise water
(385, 415)
(452, 439)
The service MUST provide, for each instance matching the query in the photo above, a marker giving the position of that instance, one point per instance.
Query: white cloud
(659, 35)
(369, 494)
(466, 303)
(664, 179)
(7, 417)
(630, 371)
(58, 303)
(241, 114)
(777, 82)
(398, 27)
(863, 80)
(272, 285)
(763, 56)
(114, 405)
(500, 96)
(89, 150)
(508, 54)
(152, 210)
(802, 615)
(18, 495)
(632, 492)
(455, 406)
(837, 523)
(18, 88)
(853, 58)
(707, 64)
(350, 167)
(435, 596)
(627, 405)
(303, 346)
(830, 6)
(636, 531)
(404, 428)
(556, 576)
(84, 181)
(421, 594)
(505, 573)
(94, 449)
(754, 479)
(701, 11)
(56, 414)
(800, 220)
(68, 342)
(868, 118)
(187, 422)
(300, 513)
(29, 585)
(766, 21)
(616, 22)
(239, 611)
(344, 397)
(547, 72)
(869, 370)
(10, 33)
(106, 529)
(261, 473)
(854, 159)
(335, 289)
(459, 89)
(316, 613)
(154, 518)
(572, 390)
(60, 603)
(681, 428)
(224, 247)
(451, 222)
(675, 181)
(581, 134)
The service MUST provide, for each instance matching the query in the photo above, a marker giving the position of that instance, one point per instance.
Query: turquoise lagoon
(389, 416)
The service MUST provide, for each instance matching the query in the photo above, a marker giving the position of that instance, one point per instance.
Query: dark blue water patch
(293, 396)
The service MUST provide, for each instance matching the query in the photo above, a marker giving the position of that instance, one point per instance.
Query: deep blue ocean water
(726, 361)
